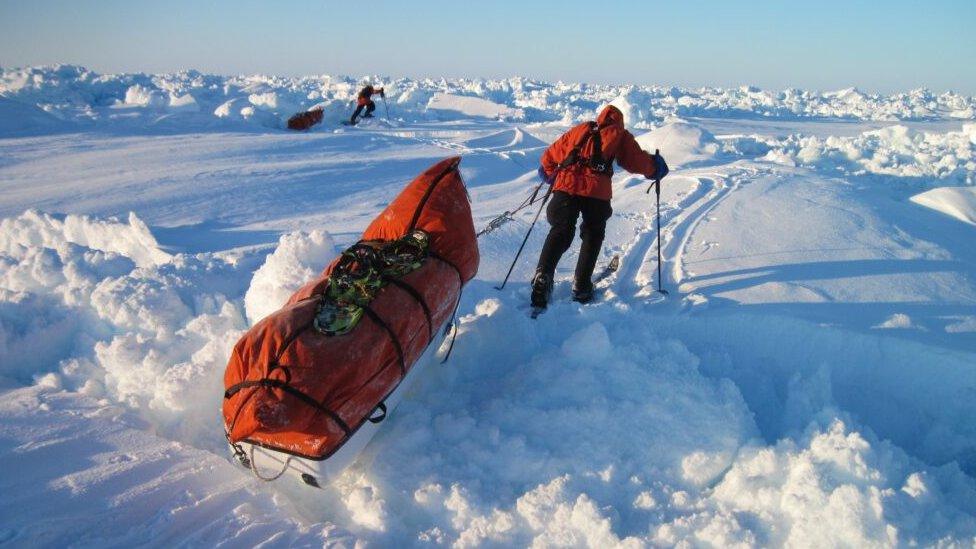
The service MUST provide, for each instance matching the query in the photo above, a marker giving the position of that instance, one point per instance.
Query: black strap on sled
(389, 331)
(381, 408)
(595, 162)
(284, 386)
(457, 305)
(452, 324)
(423, 200)
(415, 294)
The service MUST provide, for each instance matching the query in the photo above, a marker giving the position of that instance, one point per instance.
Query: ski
(609, 269)
(363, 121)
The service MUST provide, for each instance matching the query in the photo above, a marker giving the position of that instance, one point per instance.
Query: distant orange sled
(305, 120)
(300, 401)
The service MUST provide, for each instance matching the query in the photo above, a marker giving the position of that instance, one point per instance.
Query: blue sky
(876, 46)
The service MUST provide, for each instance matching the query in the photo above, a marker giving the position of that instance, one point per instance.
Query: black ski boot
(582, 293)
(541, 290)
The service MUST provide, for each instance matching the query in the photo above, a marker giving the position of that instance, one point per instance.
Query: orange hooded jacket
(618, 145)
(366, 94)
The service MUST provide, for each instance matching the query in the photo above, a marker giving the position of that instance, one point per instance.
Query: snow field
(76, 95)
(808, 383)
(673, 451)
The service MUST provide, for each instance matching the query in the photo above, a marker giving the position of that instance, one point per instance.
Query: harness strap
(574, 155)
(595, 162)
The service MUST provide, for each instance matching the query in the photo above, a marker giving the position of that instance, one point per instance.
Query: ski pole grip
(657, 154)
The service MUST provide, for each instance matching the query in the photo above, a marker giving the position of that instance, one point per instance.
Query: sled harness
(595, 162)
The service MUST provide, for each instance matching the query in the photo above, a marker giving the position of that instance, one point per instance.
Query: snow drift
(892, 151)
(682, 142)
(297, 258)
(75, 93)
(99, 304)
(958, 202)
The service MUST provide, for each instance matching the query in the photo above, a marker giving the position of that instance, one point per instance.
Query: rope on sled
(254, 467)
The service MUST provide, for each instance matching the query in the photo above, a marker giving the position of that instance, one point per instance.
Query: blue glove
(543, 176)
(661, 167)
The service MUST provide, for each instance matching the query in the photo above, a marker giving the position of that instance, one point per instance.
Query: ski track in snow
(684, 229)
(679, 219)
(626, 422)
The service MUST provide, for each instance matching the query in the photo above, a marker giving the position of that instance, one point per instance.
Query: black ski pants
(370, 107)
(563, 211)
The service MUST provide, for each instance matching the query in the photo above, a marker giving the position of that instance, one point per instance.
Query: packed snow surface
(809, 380)
(444, 104)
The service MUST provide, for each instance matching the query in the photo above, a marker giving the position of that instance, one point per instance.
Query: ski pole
(657, 191)
(657, 152)
(527, 233)
(386, 107)
(660, 287)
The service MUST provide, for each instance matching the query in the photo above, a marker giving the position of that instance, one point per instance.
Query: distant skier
(364, 100)
(580, 172)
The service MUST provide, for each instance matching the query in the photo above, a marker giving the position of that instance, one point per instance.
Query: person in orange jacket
(364, 101)
(579, 166)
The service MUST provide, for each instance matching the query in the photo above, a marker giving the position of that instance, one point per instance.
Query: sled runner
(309, 385)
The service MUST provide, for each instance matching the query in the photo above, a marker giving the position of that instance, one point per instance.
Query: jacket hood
(610, 116)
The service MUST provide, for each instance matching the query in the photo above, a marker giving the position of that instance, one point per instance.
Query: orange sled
(300, 401)
(305, 120)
